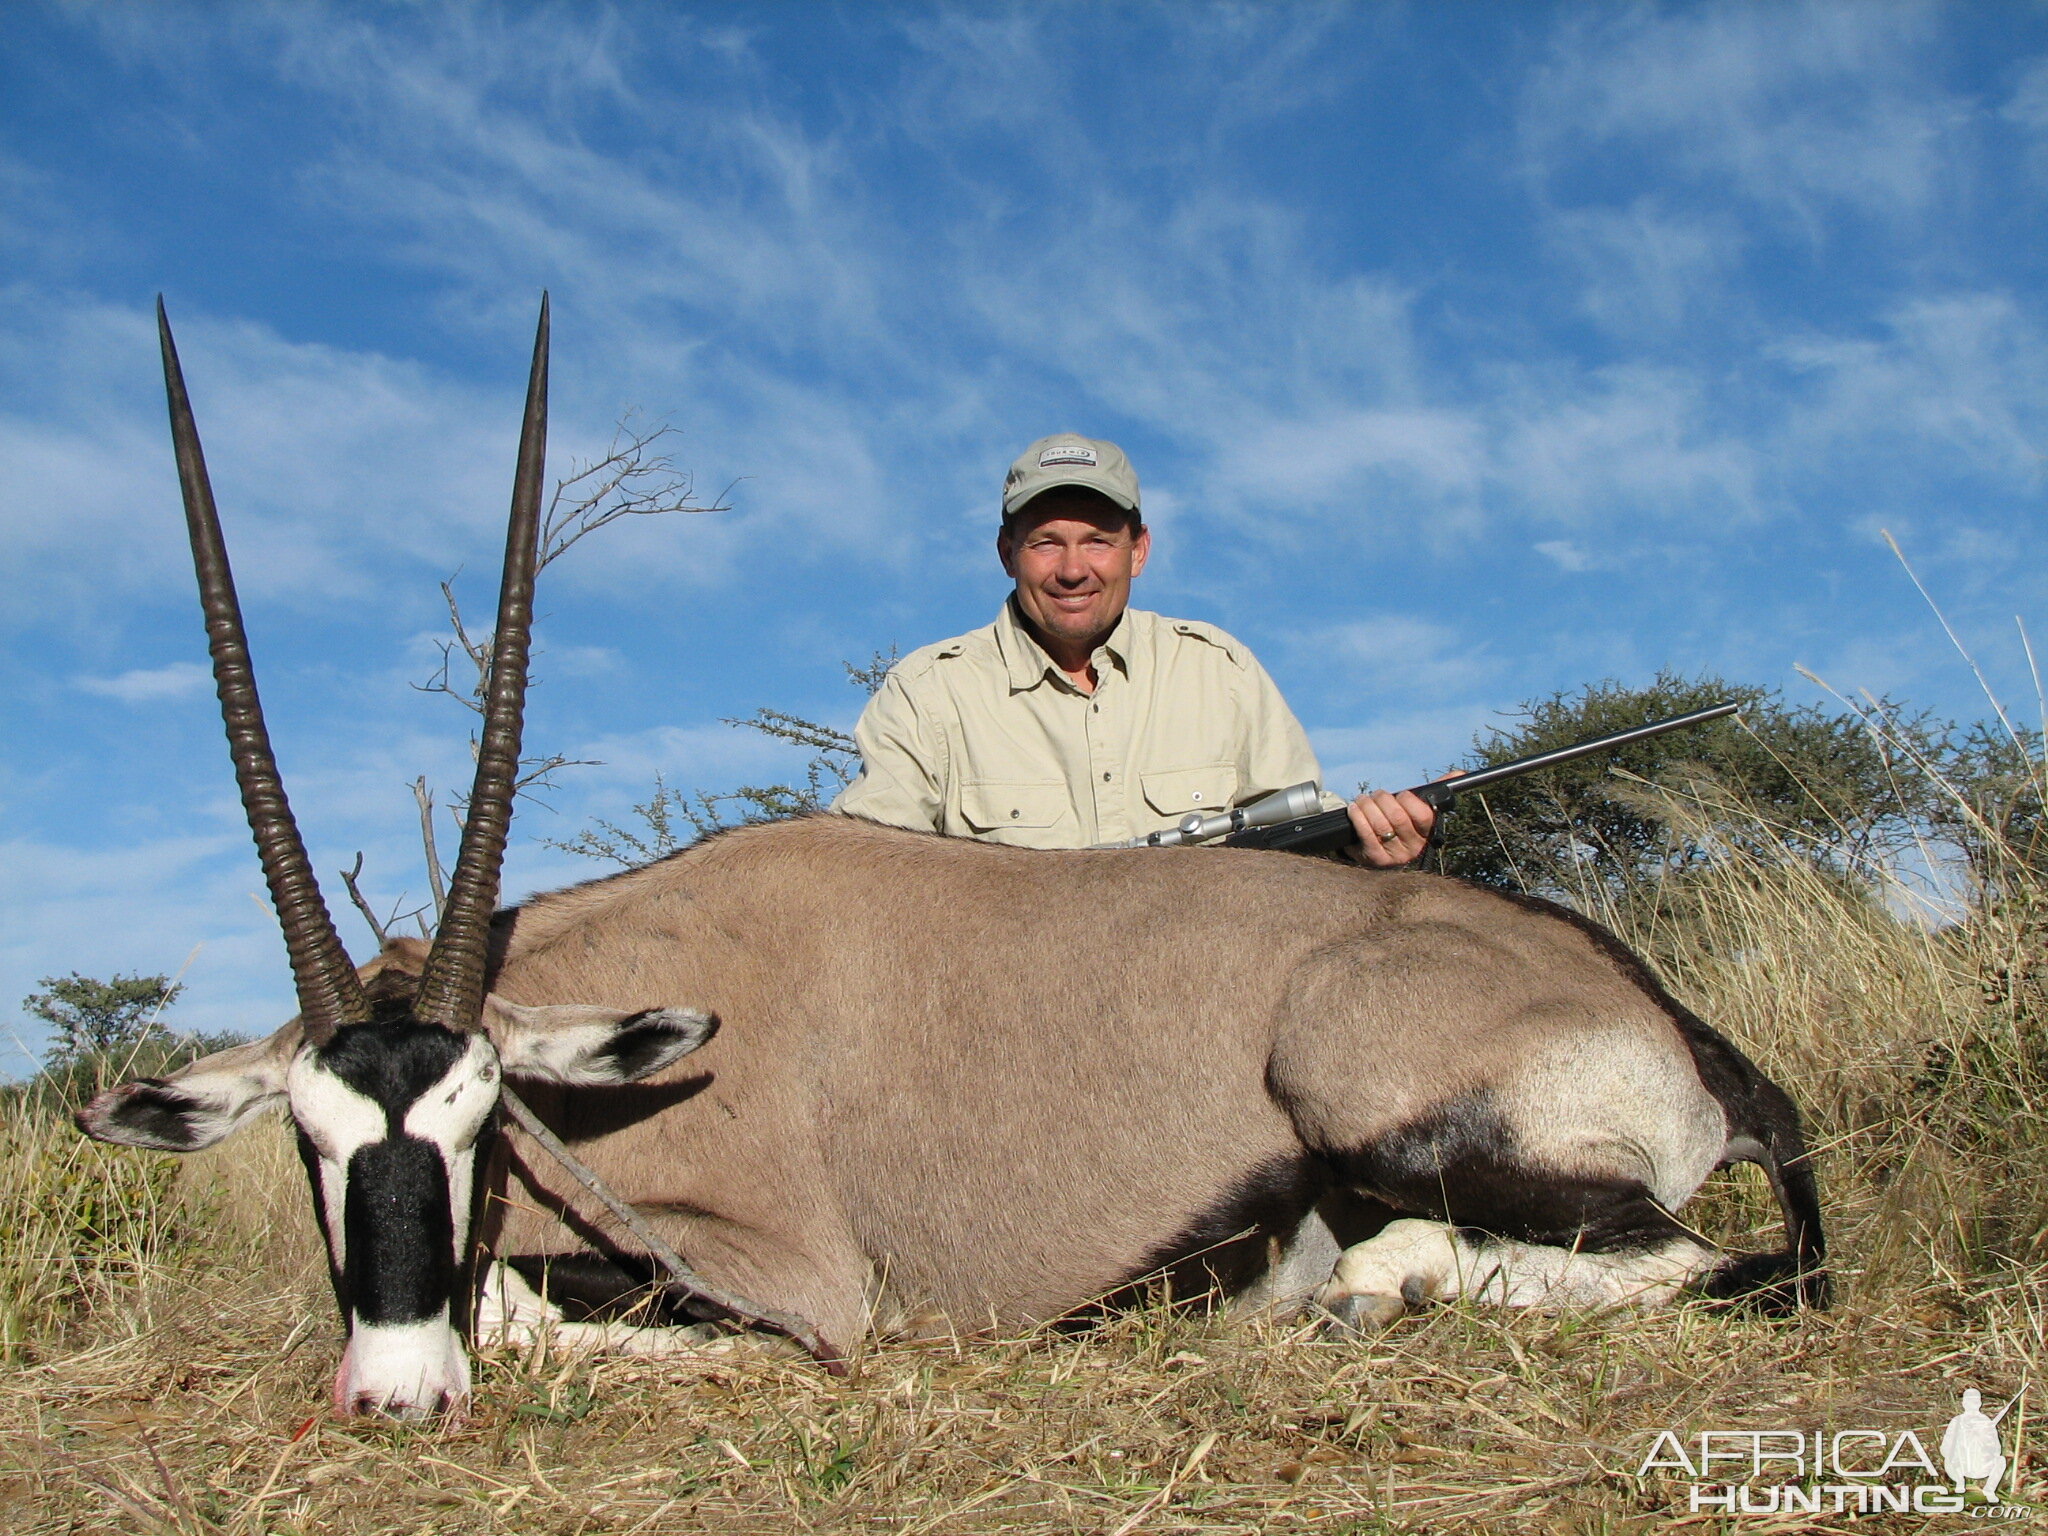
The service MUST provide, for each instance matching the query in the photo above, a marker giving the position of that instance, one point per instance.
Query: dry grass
(171, 1336)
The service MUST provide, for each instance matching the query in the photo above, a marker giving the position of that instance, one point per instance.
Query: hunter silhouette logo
(1856, 1471)
(1970, 1447)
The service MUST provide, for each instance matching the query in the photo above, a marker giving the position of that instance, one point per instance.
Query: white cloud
(1401, 654)
(2028, 104)
(148, 684)
(1646, 268)
(340, 476)
(1627, 443)
(1336, 462)
(1956, 377)
(1797, 108)
(1565, 555)
(320, 460)
(577, 661)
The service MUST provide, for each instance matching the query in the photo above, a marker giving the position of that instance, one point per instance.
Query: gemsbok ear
(592, 1047)
(198, 1105)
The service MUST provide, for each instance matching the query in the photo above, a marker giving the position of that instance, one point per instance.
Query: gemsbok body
(850, 1071)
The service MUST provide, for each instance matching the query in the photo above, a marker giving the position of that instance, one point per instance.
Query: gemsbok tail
(1763, 1128)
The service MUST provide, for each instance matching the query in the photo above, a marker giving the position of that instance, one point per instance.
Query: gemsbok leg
(1544, 1130)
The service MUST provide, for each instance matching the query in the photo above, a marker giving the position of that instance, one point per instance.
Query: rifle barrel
(1481, 777)
(1328, 831)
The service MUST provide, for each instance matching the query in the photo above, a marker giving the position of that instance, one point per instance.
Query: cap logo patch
(1068, 453)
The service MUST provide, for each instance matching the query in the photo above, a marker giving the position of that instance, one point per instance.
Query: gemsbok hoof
(1362, 1313)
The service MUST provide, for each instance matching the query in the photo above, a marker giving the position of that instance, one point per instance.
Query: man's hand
(1392, 829)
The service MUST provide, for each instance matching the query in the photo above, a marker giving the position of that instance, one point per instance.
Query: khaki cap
(1066, 459)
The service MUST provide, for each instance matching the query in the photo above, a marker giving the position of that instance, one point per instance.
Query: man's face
(1073, 557)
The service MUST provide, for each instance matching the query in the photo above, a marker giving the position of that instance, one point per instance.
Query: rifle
(1287, 821)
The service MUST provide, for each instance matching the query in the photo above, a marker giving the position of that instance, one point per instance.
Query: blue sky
(1466, 353)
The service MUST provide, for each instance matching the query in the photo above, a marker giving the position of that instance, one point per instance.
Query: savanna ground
(171, 1338)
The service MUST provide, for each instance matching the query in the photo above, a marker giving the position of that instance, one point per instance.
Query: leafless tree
(636, 476)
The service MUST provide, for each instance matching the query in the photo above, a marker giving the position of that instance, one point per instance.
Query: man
(1075, 719)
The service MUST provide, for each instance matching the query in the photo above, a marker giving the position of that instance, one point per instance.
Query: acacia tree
(1994, 811)
(1841, 789)
(87, 1015)
(104, 1030)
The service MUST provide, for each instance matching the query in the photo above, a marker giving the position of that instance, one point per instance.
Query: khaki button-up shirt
(983, 736)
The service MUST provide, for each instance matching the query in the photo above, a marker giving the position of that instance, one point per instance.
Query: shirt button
(1105, 778)
(1015, 814)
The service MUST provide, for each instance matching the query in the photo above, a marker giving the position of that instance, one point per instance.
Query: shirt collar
(1026, 660)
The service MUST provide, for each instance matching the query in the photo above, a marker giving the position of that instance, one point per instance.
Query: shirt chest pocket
(1177, 791)
(993, 807)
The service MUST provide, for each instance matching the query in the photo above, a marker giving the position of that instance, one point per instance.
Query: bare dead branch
(476, 650)
(534, 773)
(382, 929)
(437, 883)
(634, 478)
(348, 878)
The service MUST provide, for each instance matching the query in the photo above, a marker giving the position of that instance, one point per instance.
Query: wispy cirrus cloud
(1398, 654)
(1959, 376)
(143, 685)
(88, 497)
(342, 476)
(2028, 103)
(1800, 109)
(1647, 269)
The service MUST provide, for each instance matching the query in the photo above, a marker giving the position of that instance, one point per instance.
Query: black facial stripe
(398, 1229)
(400, 1261)
(392, 1062)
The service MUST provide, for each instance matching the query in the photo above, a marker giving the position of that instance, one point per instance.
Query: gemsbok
(849, 1071)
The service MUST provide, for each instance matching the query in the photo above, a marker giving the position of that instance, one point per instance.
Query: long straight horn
(330, 994)
(452, 983)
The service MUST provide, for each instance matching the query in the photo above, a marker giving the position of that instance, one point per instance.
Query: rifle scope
(1282, 806)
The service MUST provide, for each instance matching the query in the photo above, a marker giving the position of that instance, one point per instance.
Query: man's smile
(1073, 556)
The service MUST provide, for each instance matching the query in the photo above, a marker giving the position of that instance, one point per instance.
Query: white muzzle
(406, 1370)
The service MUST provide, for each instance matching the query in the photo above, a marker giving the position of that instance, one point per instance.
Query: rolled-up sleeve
(902, 763)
